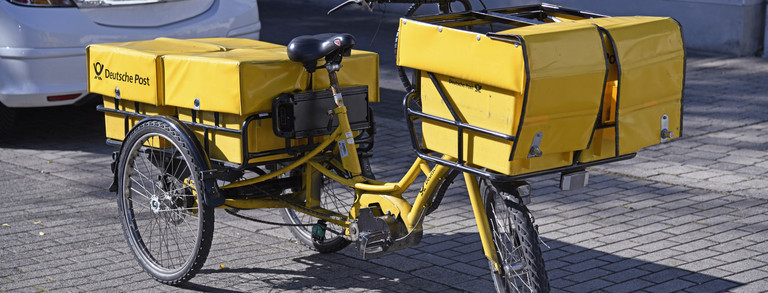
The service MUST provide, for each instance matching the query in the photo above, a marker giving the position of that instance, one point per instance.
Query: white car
(42, 42)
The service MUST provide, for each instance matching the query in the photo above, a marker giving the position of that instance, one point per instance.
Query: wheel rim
(160, 200)
(515, 272)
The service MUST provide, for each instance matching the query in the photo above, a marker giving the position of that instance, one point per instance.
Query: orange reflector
(62, 97)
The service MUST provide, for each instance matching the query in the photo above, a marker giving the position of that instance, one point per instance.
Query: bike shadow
(455, 262)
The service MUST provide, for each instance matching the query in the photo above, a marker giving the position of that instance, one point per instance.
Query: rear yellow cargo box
(218, 82)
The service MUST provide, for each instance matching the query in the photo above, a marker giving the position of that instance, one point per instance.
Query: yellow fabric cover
(650, 58)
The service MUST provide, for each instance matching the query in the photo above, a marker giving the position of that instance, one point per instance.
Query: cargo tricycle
(498, 96)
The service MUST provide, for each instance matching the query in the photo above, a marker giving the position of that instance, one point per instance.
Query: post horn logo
(98, 68)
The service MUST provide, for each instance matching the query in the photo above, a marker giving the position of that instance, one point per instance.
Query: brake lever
(348, 2)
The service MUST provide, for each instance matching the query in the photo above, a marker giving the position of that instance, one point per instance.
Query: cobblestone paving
(688, 216)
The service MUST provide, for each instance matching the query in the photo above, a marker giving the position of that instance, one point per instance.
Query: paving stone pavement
(687, 216)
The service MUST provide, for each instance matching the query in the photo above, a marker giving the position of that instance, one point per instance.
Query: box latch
(535, 152)
(666, 135)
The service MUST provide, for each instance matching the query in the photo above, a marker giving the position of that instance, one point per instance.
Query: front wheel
(516, 242)
(160, 197)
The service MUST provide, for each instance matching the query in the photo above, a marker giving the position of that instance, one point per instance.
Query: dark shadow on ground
(571, 268)
(64, 128)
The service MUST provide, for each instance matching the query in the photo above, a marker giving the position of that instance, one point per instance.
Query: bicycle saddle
(310, 48)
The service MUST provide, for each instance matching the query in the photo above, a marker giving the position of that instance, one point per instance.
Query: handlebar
(367, 3)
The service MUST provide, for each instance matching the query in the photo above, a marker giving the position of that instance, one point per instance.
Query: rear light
(62, 97)
(44, 3)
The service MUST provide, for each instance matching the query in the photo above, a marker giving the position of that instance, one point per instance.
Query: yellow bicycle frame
(386, 195)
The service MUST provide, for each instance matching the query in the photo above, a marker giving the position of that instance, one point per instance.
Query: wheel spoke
(515, 240)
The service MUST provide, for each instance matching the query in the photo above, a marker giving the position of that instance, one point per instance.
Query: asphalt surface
(688, 216)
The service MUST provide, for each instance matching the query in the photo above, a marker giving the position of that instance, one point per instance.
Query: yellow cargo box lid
(246, 80)
(130, 70)
(238, 81)
(462, 54)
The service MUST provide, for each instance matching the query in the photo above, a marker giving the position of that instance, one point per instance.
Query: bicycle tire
(165, 220)
(516, 242)
(335, 197)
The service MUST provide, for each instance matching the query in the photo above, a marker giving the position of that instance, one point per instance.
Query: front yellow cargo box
(245, 81)
(558, 88)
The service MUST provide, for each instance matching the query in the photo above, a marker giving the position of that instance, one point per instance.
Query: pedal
(371, 245)
(318, 231)
(372, 234)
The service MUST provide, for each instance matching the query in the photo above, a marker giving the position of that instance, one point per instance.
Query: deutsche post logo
(98, 68)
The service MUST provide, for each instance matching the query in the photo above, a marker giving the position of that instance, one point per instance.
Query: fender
(211, 194)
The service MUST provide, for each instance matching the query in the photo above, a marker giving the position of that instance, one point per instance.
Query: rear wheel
(168, 227)
(335, 197)
(516, 242)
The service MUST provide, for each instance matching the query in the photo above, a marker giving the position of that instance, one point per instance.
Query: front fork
(481, 218)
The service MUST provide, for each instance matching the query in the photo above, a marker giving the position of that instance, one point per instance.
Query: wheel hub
(154, 204)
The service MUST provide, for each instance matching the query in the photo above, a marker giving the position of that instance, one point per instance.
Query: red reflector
(62, 97)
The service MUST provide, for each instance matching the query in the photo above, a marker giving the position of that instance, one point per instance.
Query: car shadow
(63, 128)
(571, 268)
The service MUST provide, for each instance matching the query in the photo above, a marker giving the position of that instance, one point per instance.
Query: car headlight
(44, 3)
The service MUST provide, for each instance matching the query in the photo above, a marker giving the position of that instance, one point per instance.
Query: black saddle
(307, 49)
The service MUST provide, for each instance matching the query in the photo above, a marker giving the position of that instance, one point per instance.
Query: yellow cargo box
(217, 86)
(245, 81)
(549, 88)
(117, 125)
(541, 84)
